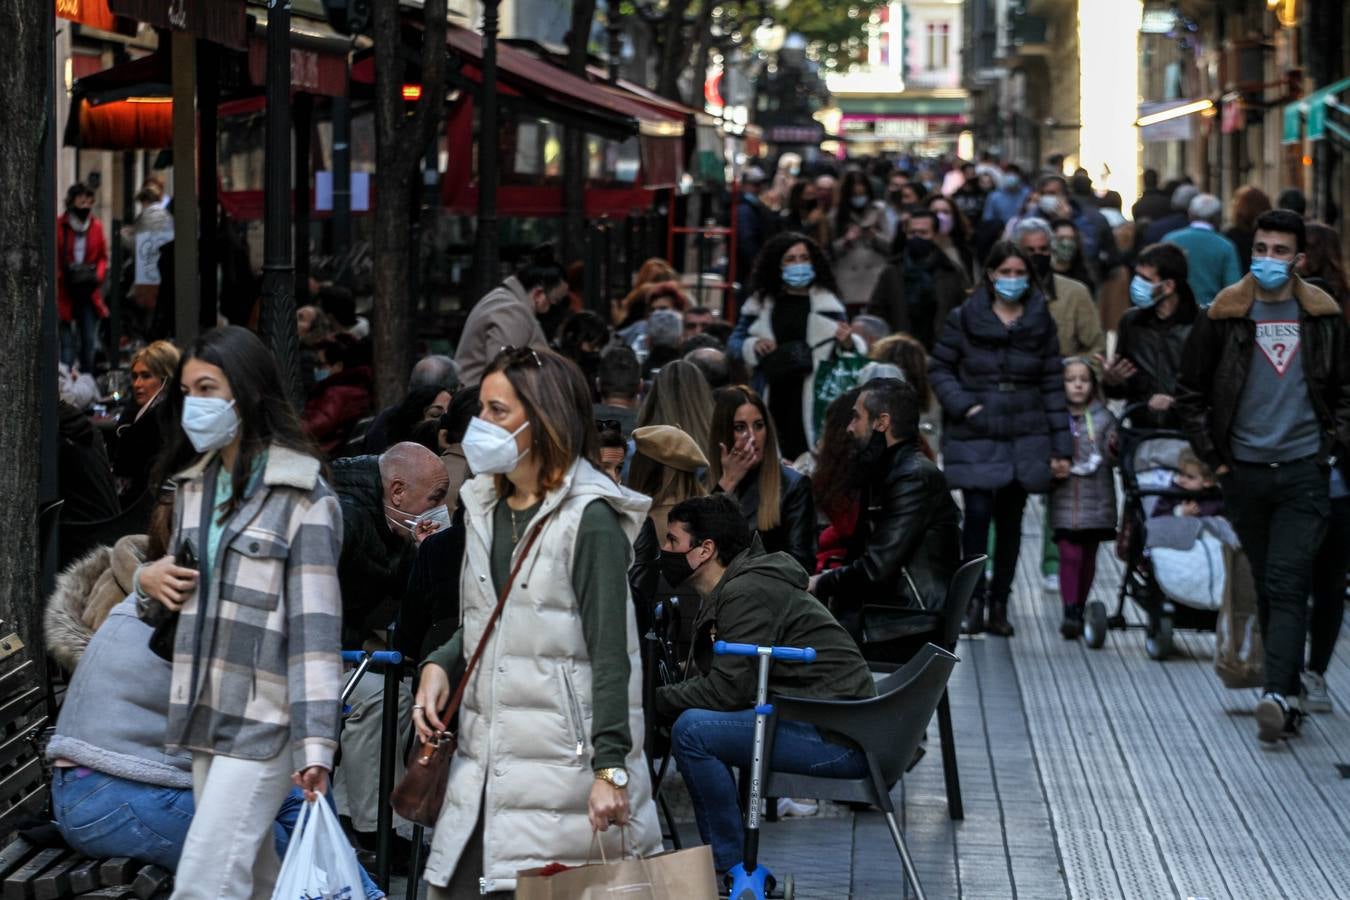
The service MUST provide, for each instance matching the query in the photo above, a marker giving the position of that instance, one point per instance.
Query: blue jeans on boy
(706, 743)
(83, 328)
(104, 815)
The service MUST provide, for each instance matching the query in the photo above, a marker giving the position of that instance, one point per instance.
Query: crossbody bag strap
(458, 696)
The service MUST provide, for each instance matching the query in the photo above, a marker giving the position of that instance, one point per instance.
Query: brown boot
(998, 619)
(973, 622)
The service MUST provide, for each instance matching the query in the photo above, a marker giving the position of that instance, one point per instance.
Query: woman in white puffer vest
(550, 730)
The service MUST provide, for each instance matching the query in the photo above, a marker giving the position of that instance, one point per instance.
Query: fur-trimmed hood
(1235, 301)
(85, 593)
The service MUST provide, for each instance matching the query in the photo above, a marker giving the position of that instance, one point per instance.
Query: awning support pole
(278, 300)
(488, 240)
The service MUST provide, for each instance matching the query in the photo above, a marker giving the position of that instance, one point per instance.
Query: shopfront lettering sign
(219, 21)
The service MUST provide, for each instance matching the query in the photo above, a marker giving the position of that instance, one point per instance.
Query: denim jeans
(83, 328)
(1280, 514)
(706, 743)
(104, 815)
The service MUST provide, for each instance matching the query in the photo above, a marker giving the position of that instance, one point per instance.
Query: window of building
(938, 35)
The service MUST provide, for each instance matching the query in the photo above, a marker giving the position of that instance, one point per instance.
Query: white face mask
(491, 449)
(210, 422)
(440, 515)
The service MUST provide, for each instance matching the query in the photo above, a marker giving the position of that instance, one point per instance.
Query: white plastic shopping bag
(320, 864)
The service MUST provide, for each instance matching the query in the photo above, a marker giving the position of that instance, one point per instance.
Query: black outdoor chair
(887, 728)
(943, 627)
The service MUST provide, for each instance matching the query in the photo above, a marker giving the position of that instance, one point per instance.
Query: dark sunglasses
(519, 356)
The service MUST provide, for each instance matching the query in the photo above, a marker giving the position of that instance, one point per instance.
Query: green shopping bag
(835, 376)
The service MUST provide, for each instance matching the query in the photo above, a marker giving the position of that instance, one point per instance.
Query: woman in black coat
(744, 461)
(997, 372)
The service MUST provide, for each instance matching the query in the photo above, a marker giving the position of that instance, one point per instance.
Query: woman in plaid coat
(256, 665)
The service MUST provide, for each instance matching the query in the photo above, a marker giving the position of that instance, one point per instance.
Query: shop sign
(901, 129)
(312, 71)
(222, 22)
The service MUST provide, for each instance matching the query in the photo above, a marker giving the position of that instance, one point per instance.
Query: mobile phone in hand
(186, 555)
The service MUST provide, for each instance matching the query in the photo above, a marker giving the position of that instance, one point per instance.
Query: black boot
(1072, 626)
(973, 622)
(998, 619)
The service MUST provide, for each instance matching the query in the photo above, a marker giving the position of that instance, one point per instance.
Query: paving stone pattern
(1096, 774)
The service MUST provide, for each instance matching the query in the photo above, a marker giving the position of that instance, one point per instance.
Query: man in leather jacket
(1264, 398)
(909, 538)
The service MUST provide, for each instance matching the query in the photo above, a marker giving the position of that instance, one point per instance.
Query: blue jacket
(1017, 376)
(1001, 205)
(1211, 260)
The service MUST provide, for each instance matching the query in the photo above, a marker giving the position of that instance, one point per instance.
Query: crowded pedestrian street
(674, 449)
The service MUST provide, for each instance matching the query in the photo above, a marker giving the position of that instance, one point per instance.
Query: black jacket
(921, 317)
(1218, 356)
(375, 563)
(429, 615)
(1017, 376)
(1155, 346)
(796, 531)
(762, 600)
(910, 538)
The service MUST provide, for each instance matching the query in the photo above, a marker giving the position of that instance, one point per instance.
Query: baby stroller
(1148, 463)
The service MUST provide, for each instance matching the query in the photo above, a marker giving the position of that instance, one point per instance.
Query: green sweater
(601, 589)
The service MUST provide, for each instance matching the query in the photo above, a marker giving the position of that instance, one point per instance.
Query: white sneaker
(1316, 698)
(788, 806)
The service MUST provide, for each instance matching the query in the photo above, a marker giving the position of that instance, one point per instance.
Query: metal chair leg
(955, 808)
(910, 873)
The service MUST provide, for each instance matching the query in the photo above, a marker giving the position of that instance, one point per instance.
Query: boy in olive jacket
(749, 597)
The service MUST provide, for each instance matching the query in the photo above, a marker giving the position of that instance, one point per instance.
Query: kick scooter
(748, 879)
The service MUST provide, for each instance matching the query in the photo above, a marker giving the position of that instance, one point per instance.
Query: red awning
(219, 21)
(95, 14)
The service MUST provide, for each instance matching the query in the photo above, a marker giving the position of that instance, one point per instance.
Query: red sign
(312, 71)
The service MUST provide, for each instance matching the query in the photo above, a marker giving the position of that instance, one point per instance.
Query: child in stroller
(1174, 541)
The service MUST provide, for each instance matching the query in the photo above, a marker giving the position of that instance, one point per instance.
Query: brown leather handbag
(420, 794)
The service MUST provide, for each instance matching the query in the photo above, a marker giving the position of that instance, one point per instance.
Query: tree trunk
(24, 92)
(401, 138)
(574, 139)
(699, 76)
(674, 51)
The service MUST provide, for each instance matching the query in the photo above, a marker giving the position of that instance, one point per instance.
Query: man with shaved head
(390, 503)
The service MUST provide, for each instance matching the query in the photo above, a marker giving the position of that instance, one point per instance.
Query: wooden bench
(28, 871)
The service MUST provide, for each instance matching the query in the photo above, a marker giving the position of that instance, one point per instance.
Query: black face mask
(1040, 264)
(810, 205)
(80, 212)
(918, 247)
(675, 567)
(870, 454)
(896, 198)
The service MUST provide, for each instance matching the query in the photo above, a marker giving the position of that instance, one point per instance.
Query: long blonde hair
(728, 400)
(680, 396)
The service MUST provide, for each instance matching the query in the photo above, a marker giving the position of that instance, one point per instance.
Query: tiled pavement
(1097, 774)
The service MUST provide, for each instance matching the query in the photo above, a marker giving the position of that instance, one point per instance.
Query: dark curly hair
(767, 277)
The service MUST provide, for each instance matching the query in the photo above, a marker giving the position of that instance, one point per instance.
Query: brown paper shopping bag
(678, 875)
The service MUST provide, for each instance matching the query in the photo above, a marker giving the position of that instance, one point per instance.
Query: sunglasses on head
(519, 356)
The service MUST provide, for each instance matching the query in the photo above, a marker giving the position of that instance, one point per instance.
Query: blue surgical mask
(1141, 292)
(209, 422)
(1011, 289)
(860, 202)
(321, 374)
(1269, 272)
(798, 275)
(1010, 182)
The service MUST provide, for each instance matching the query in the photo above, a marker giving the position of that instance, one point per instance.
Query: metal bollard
(388, 747)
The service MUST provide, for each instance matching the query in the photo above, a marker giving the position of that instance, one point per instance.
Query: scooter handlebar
(791, 654)
(379, 657)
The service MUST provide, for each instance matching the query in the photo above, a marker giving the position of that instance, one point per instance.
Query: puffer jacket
(796, 531)
(910, 537)
(1087, 502)
(525, 723)
(762, 600)
(1218, 356)
(1016, 374)
(1155, 347)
